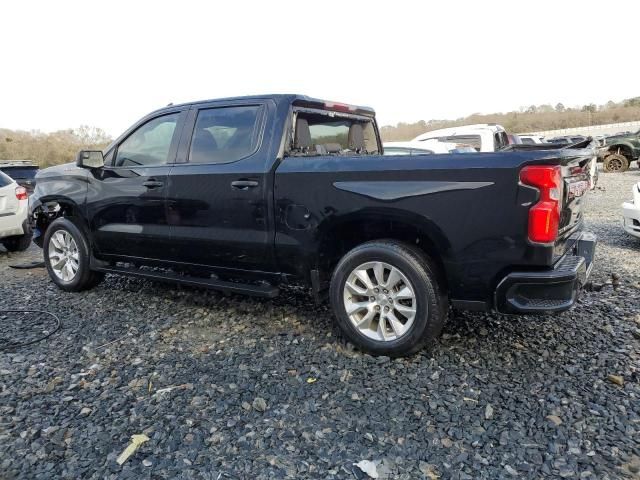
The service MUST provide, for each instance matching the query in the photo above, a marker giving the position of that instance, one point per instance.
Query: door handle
(244, 184)
(152, 183)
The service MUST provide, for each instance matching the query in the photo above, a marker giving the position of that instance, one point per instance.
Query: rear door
(218, 190)
(126, 199)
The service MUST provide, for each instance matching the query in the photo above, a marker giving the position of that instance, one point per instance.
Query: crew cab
(247, 194)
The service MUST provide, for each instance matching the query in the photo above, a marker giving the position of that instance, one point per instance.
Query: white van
(484, 137)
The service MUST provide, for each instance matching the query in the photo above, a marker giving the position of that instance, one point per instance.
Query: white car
(631, 213)
(423, 148)
(484, 137)
(15, 233)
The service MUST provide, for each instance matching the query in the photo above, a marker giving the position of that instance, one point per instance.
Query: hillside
(531, 119)
(59, 147)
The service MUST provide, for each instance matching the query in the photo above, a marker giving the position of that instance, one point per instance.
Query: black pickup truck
(247, 194)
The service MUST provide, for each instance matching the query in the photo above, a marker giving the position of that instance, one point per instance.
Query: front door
(126, 200)
(217, 202)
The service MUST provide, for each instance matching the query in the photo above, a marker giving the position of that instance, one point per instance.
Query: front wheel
(66, 256)
(387, 298)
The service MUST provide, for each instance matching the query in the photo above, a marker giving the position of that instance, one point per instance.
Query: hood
(57, 170)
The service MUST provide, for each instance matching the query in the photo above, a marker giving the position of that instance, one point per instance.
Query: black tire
(432, 306)
(18, 243)
(615, 162)
(85, 278)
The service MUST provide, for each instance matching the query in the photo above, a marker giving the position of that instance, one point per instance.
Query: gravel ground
(235, 387)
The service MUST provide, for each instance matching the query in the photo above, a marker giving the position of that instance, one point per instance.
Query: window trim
(260, 121)
(173, 146)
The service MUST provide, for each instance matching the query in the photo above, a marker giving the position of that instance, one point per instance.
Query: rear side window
(5, 180)
(225, 134)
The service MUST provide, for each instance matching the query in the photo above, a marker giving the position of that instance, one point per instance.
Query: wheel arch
(622, 148)
(48, 209)
(337, 237)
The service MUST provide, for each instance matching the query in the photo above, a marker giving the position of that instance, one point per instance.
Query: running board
(268, 291)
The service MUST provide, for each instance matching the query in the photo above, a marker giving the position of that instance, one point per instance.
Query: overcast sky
(107, 63)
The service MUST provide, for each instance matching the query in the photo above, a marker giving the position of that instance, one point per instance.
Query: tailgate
(8, 201)
(576, 182)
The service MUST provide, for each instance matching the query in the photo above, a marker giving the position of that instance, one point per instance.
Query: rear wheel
(615, 162)
(387, 299)
(19, 243)
(66, 256)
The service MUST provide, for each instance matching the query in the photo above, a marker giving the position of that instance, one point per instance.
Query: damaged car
(250, 194)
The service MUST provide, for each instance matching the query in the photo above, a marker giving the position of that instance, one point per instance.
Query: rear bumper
(12, 224)
(548, 291)
(631, 219)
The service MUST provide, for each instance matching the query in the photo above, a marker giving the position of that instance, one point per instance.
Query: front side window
(149, 144)
(225, 134)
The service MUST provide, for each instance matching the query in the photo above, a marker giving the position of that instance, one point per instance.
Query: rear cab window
(474, 141)
(318, 132)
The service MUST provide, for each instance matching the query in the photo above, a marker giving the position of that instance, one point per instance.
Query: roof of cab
(301, 100)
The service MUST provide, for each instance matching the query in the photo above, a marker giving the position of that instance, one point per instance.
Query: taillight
(544, 216)
(21, 193)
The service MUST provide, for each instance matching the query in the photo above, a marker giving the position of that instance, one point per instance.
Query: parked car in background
(15, 230)
(22, 171)
(618, 151)
(424, 148)
(483, 137)
(631, 213)
(531, 139)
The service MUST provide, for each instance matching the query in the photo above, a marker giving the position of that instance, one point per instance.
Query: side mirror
(90, 159)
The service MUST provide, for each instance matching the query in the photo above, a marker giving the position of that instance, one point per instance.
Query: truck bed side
(469, 211)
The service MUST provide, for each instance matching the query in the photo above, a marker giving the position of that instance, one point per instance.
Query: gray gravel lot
(235, 387)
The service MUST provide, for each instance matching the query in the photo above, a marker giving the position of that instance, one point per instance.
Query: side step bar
(268, 291)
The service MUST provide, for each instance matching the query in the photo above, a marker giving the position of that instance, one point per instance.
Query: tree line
(528, 119)
(48, 149)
